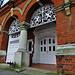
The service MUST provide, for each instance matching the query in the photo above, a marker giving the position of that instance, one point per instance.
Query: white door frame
(48, 30)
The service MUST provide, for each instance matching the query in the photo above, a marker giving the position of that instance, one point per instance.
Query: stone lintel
(22, 50)
(68, 49)
(24, 25)
(2, 52)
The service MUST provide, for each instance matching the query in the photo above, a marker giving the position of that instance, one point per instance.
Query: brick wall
(66, 34)
(2, 59)
(3, 41)
(66, 64)
(65, 27)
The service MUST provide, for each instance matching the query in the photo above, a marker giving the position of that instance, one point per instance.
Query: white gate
(13, 42)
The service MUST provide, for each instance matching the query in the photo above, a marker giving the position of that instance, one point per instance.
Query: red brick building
(38, 31)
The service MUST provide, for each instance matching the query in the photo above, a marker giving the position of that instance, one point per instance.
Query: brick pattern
(2, 59)
(65, 27)
(66, 64)
(3, 41)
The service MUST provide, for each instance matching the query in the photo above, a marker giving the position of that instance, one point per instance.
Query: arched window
(13, 42)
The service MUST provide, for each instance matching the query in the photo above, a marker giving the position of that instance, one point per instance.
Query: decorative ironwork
(14, 29)
(43, 15)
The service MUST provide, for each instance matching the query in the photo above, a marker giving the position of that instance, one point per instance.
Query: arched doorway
(13, 41)
(45, 44)
(44, 23)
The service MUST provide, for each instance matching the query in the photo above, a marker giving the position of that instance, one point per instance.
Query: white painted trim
(48, 30)
(67, 49)
(61, 47)
(30, 40)
(45, 31)
(3, 52)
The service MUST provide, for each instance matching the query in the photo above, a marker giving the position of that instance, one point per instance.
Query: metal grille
(43, 15)
(13, 27)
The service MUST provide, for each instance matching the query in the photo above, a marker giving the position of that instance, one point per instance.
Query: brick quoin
(2, 59)
(3, 45)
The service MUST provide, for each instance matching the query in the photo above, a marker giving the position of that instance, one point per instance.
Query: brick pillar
(3, 46)
(65, 24)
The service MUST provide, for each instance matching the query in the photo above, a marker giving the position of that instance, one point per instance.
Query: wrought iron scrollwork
(14, 29)
(43, 15)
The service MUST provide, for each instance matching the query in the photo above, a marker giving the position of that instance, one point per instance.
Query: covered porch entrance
(44, 22)
(45, 44)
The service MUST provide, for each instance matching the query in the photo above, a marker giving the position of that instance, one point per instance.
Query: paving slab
(35, 71)
(3, 72)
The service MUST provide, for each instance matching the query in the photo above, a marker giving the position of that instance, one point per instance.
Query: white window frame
(31, 40)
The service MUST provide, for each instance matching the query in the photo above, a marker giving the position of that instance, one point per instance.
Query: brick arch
(34, 5)
(4, 35)
(27, 16)
(5, 27)
(32, 8)
(16, 12)
(57, 2)
(27, 9)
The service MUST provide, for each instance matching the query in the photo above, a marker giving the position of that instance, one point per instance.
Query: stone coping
(2, 52)
(68, 49)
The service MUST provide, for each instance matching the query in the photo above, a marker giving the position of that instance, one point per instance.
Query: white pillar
(22, 56)
(23, 40)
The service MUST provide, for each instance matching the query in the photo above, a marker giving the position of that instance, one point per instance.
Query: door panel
(47, 49)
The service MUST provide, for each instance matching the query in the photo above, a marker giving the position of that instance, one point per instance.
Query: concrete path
(35, 71)
(23, 71)
(3, 72)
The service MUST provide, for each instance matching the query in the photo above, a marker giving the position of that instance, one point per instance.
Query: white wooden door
(47, 49)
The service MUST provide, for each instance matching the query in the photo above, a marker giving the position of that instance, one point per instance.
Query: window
(30, 46)
(44, 48)
(44, 41)
(53, 48)
(41, 42)
(41, 49)
(53, 41)
(49, 48)
(49, 41)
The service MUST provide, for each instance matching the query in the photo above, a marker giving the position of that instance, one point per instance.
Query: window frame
(30, 40)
